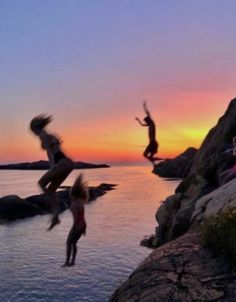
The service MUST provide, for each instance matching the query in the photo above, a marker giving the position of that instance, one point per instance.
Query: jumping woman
(152, 147)
(60, 165)
(78, 196)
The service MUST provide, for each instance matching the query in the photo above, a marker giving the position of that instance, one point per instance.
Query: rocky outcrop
(174, 215)
(177, 167)
(44, 165)
(183, 269)
(215, 203)
(13, 207)
(180, 271)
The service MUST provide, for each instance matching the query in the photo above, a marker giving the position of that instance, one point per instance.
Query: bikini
(58, 156)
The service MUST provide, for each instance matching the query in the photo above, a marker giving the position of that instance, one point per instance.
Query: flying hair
(39, 122)
(79, 190)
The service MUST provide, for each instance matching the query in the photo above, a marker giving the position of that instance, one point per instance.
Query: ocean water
(31, 257)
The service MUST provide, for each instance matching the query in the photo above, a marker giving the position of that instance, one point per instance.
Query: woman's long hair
(79, 190)
(39, 122)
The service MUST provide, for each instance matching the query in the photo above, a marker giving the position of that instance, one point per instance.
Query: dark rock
(13, 207)
(177, 167)
(182, 270)
(213, 157)
(150, 242)
(82, 165)
(44, 165)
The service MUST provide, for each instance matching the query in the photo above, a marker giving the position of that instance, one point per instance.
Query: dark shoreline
(13, 207)
(44, 165)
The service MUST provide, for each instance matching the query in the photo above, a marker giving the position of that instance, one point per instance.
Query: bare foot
(54, 222)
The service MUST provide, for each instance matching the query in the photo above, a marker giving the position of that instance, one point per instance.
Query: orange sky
(92, 63)
(180, 123)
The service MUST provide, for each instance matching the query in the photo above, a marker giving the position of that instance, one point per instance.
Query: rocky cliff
(183, 269)
(211, 159)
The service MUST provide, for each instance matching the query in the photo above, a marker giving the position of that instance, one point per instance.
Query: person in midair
(60, 165)
(78, 196)
(152, 147)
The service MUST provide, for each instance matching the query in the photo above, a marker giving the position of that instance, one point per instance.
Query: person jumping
(152, 147)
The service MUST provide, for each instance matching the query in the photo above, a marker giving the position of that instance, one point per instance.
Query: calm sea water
(31, 258)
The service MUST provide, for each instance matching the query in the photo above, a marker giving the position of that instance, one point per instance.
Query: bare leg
(68, 247)
(55, 210)
(68, 254)
(146, 155)
(149, 157)
(55, 205)
(74, 252)
(50, 182)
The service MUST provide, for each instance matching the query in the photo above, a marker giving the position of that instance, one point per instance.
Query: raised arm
(145, 108)
(142, 124)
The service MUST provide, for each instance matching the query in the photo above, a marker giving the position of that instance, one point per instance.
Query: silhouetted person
(152, 147)
(78, 196)
(60, 165)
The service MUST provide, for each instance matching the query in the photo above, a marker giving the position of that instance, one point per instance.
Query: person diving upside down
(78, 196)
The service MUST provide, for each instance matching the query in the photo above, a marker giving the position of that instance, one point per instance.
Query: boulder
(215, 203)
(213, 157)
(177, 167)
(13, 207)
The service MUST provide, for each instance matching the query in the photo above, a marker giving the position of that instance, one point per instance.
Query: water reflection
(31, 257)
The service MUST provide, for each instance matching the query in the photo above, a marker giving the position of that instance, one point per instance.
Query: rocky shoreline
(13, 207)
(182, 268)
(44, 165)
(177, 167)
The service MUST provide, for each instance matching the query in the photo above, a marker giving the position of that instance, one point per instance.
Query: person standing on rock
(78, 196)
(60, 165)
(152, 147)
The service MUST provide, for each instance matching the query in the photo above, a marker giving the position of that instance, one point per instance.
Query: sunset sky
(91, 63)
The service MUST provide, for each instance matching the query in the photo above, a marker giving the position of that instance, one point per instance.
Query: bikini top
(53, 141)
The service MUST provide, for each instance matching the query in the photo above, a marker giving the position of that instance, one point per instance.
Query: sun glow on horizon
(91, 65)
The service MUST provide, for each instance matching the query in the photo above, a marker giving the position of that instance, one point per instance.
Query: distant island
(44, 165)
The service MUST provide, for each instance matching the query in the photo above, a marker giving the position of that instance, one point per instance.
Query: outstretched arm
(142, 124)
(145, 108)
